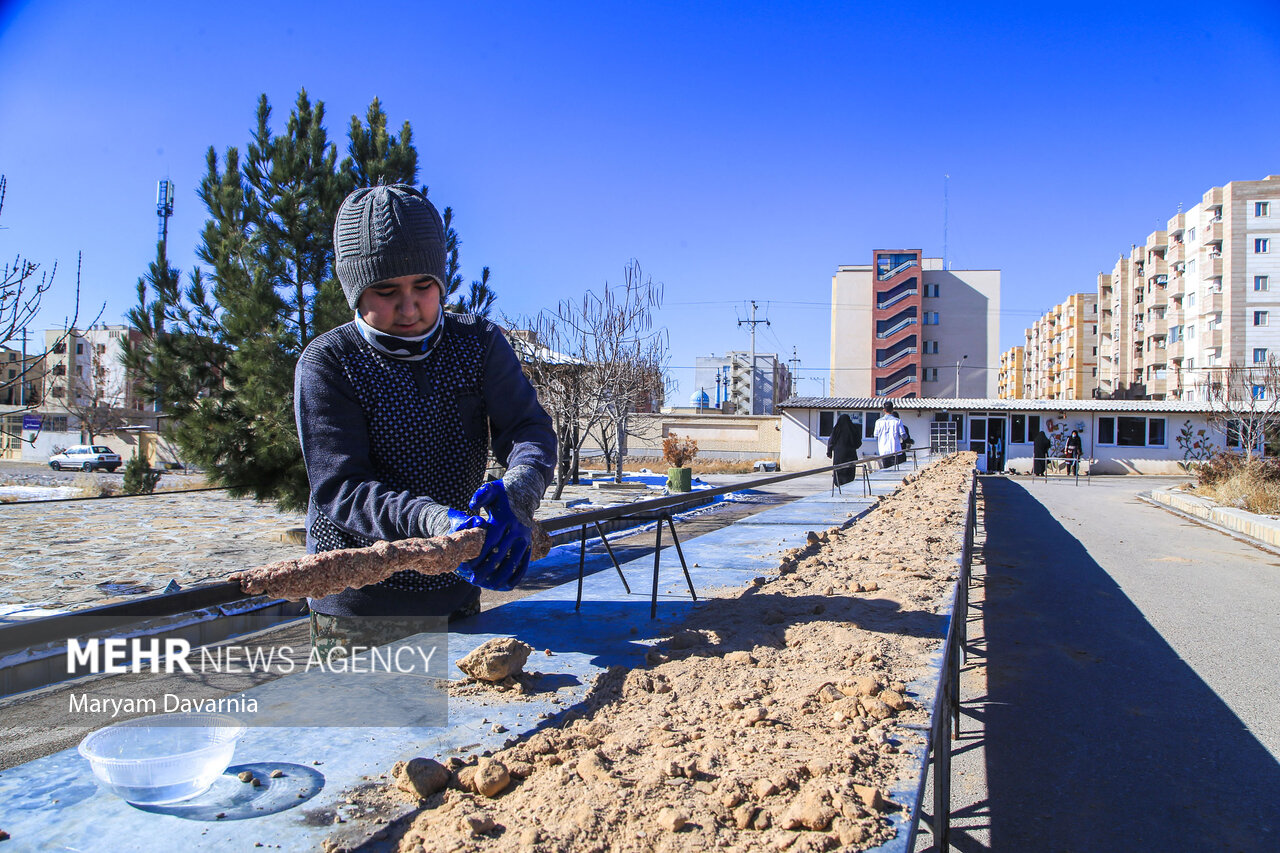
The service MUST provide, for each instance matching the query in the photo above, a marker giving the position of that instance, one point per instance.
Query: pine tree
(220, 352)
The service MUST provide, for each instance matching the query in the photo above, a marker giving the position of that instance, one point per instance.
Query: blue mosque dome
(700, 400)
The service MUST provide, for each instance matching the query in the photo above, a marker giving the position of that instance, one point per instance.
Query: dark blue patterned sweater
(384, 438)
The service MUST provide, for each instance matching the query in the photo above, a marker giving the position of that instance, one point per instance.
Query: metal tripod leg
(683, 565)
(609, 548)
(582, 563)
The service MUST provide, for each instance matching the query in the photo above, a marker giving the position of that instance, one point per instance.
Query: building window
(1260, 318)
(826, 421)
(1259, 355)
(1262, 208)
(931, 374)
(1261, 283)
(79, 349)
(1261, 245)
(931, 290)
(1131, 431)
(931, 318)
(1259, 392)
(1191, 235)
(931, 347)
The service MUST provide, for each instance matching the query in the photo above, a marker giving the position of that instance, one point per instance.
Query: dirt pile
(777, 719)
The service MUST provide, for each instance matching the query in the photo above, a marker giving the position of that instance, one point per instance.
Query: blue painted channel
(53, 803)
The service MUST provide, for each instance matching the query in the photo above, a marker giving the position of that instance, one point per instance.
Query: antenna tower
(164, 209)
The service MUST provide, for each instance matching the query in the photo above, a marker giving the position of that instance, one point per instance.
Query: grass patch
(1230, 480)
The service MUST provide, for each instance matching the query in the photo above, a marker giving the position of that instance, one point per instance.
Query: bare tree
(626, 357)
(97, 401)
(23, 286)
(562, 382)
(1246, 402)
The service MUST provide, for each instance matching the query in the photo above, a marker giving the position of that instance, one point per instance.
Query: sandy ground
(775, 720)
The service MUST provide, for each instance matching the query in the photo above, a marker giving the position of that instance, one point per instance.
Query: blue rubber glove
(507, 543)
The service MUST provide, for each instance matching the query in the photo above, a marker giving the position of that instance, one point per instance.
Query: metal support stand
(657, 560)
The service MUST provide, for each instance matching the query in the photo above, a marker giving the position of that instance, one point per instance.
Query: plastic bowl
(163, 758)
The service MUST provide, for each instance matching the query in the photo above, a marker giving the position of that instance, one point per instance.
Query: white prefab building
(1118, 436)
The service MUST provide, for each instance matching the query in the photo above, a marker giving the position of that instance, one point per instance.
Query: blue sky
(739, 151)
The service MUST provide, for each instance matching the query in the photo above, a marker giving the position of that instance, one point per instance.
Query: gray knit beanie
(385, 232)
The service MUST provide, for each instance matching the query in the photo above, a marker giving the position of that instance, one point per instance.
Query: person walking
(842, 446)
(889, 433)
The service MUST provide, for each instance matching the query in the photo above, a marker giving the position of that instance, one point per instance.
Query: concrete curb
(1259, 529)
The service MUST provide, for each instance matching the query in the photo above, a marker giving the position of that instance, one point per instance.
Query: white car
(85, 457)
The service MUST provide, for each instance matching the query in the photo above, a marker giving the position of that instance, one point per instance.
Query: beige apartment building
(1009, 384)
(1061, 352)
(83, 368)
(903, 326)
(1195, 298)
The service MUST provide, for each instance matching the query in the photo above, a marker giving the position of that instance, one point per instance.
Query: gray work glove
(524, 487)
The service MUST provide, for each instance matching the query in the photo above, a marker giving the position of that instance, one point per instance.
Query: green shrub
(138, 478)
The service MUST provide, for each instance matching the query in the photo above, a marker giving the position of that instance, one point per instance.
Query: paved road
(1133, 677)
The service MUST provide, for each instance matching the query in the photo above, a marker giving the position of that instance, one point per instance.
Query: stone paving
(68, 555)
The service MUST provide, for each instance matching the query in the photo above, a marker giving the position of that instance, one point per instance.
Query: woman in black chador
(843, 446)
(1041, 447)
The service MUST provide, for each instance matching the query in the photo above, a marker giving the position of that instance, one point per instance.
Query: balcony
(1213, 338)
(894, 384)
(1211, 233)
(885, 272)
(1157, 386)
(897, 294)
(1173, 350)
(1177, 286)
(1177, 252)
(896, 356)
(889, 328)
(1176, 224)
(1156, 325)
(1212, 198)
(1214, 301)
(1210, 264)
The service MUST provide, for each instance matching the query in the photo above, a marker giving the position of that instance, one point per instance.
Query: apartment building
(83, 368)
(1195, 298)
(19, 377)
(1061, 352)
(1009, 384)
(729, 384)
(903, 326)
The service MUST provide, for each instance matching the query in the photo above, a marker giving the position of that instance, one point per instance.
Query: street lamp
(958, 375)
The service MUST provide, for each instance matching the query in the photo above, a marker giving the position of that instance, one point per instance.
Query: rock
(828, 590)
(740, 658)
(763, 788)
(245, 776)
(478, 824)
(870, 586)
(498, 728)
(732, 798)
(530, 837)
(421, 777)
(862, 685)
(808, 811)
(893, 699)
(519, 769)
(491, 777)
(755, 714)
(812, 538)
(875, 708)
(672, 820)
(744, 815)
(828, 693)
(870, 797)
(898, 687)
(277, 773)
(849, 832)
(730, 704)
(686, 640)
(496, 659)
(592, 767)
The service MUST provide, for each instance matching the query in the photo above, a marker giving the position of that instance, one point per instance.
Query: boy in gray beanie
(397, 412)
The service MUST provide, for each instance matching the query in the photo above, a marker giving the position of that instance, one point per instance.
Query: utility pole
(794, 361)
(22, 371)
(958, 376)
(164, 209)
(751, 384)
